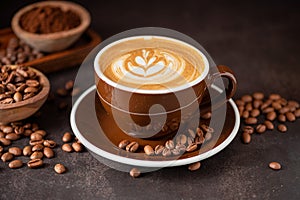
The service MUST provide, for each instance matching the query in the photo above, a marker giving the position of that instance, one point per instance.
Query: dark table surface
(259, 40)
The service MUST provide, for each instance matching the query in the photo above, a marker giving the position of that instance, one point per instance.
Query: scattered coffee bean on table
(275, 165)
(194, 166)
(60, 168)
(15, 164)
(134, 172)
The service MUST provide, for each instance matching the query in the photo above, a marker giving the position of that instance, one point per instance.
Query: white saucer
(86, 127)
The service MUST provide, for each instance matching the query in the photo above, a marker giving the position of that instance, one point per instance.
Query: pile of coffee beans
(261, 113)
(18, 83)
(18, 52)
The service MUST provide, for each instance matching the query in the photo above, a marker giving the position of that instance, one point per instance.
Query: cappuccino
(151, 63)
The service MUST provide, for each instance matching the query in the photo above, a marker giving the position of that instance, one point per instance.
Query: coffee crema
(152, 64)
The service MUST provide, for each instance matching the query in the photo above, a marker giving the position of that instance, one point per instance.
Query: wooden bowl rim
(38, 97)
(78, 9)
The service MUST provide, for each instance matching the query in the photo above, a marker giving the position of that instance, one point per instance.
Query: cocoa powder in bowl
(49, 19)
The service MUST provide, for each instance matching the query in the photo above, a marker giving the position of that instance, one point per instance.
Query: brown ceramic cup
(152, 113)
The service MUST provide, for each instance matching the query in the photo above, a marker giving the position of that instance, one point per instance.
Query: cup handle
(223, 72)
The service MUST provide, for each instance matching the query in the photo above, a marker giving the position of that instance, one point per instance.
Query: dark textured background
(259, 40)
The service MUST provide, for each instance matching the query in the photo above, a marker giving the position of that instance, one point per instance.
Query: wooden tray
(71, 57)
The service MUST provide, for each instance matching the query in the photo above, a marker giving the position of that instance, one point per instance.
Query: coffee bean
(297, 113)
(67, 148)
(190, 140)
(15, 164)
(200, 140)
(257, 103)
(1, 149)
(281, 118)
(199, 132)
(194, 166)
(170, 144)
(134, 172)
(158, 149)
(181, 139)
(123, 144)
(67, 137)
(268, 110)
(37, 147)
(208, 136)
(282, 101)
(5, 142)
(206, 115)
(255, 113)
(35, 163)
(275, 165)
(258, 95)
(276, 105)
(248, 129)
(240, 103)
(27, 132)
(16, 151)
(284, 110)
(27, 151)
(269, 125)
(249, 107)
(32, 83)
(132, 146)
(77, 146)
(166, 152)
(7, 129)
(251, 120)
(12, 136)
(261, 128)
(181, 148)
(274, 97)
(271, 116)
(35, 137)
(293, 104)
(36, 155)
(246, 138)
(60, 168)
(245, 114)
(19, 130)
(148, 150)
(191, 147)
(49, 143)
(2, 135)
(48, 152)
(41, 132)
(175, 152)
(32, 143)
(246, 98)
(290, 116)
(18, 97)
(7, 157)
(282, 128)
(206, 128)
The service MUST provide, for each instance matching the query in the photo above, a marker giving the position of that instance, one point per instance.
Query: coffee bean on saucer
(16, 151)
(134, 172)
(191, 147)
(261, 128)
(148, 150)
(123, 144)
(290, 116)
(132, 146)
(67, 137)
(248, 129)
(282, 128)
(7, 157)
(181, 139)
(181, 148)
(35, 163)
(275, 165)
(15, 164)
(269, 125)
(246, 138)
(170, 144)
(158, 149)
(166, 152)
(251, 120)
(67, 148)
(60, 168)
(194, 166)
(258, 95)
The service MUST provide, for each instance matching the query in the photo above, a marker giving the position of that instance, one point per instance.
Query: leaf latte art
(151, 69)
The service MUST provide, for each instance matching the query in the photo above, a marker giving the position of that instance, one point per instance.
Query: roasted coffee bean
(181, 139)
(268, 110)
(15, 164)
(134, 172)
(290, 116)
(297, 113)
(18, 97)
(191, 133)
(261, 128)
(191, 147)
(257, 103)
(1, 149)
(35, 163)
(281, 118)
(41, 132)
(206, 115)
(282, 128)
(2, 135)
(170, 144)
(248, 129)
(148, 150)
(271, 116)
(19, 130)
(27, 151)
(36, 155)
(69, 85)
(7, 129)
(123, 144)
(175, 152)
(240, 103)
(275, 165)
(32, 83)
(5, 142)
(255, 113)
(35, 137)
(181, 148)
(16, 151)
(282, 101)
(251, 120)
(284, 110)
(48, 152)
(67, 137)
(245, 114)
(258, 95)
(49, 143)
(274, 97)
(206, 128)
(32, 143)
(166, 152)
(208, 136)
(264, 106)
(199, 132)
(269, 125)
(158, 149)
(276, 105)
(246, 98)
(293, 104)
(194, 166)
(190, 140)
(7, 157)
(12, 136)
(77, 147)
(246, 138)
(132, 146)
(67, 148)
(249, 107)
(60, 168)
(37, 147)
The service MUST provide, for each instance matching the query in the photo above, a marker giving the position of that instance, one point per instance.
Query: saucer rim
(150, 163)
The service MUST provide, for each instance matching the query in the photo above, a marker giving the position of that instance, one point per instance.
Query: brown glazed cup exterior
(133, 111)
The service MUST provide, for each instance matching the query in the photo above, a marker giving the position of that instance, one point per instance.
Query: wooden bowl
(53, 41)
(24, 109)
